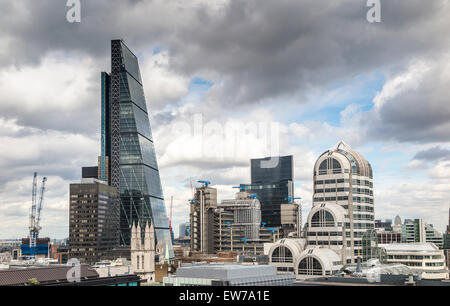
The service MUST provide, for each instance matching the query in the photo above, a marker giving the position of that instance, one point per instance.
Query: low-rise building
(228, 275)
(425, 258)
(83, 275)
(283, 253)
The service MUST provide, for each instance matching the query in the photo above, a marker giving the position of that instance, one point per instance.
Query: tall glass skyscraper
(273, 185)
(128, 159)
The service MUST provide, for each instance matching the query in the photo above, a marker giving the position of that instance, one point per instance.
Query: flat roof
(410, 247)
(225, 271)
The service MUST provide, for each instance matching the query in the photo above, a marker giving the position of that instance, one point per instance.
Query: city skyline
(363, 85)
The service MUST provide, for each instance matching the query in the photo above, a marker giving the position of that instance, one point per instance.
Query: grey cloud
(258, 50)
(432, 154)
(262, 49)
(420, 112)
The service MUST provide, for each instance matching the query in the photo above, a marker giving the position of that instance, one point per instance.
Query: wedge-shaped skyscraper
(128, 159)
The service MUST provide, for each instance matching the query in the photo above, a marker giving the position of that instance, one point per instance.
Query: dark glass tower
(272, 185)
(128, 159)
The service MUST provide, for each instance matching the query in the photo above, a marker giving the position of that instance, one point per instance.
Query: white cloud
(55, 94)
(162, 85)
(401, 83)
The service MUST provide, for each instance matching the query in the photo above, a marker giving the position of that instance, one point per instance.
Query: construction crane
(205, 183)
(241, 188)
(35, 215)
(170, 219)
(291, 199)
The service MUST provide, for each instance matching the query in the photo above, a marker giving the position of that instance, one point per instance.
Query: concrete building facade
(343, 202)
(202, 219)
(93, 220)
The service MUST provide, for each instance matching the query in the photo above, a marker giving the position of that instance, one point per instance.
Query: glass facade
(141, 196)
(283, 171)
(272, 185)
(105, 125)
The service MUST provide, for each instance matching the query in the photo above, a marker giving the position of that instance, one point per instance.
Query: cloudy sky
(316, 72)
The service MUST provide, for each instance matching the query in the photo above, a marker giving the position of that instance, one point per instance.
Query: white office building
(343, 203)
(425, 258)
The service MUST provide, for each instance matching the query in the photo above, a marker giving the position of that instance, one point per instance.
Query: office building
(228, 274)
(93, 220)
(202, 219)
(272, 181)
(231, 226)
(343, 203)
(388, 232)
(291, 219)
(418, 230)
(425, 258)
(128, 160)
(238, 228)
(294, 256)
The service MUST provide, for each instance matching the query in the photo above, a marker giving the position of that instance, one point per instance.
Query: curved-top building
(343, 204)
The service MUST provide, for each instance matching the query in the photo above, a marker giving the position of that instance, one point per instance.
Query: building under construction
(238, 227)
(231, 226)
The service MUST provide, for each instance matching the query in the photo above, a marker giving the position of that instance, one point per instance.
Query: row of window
(414, 257)
(363, 217)
(325, 234)
(346, 189)
(332, 242)
(361, 225)
(340, 181)
(344, 198)
(285, 269)
(419, 264)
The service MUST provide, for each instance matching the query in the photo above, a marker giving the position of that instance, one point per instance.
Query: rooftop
(12, 277)
(225, 271)
(410, 247)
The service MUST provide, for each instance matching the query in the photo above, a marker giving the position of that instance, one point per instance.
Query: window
(310, 266)
(282, 254)
(330, 165)
(322, 218)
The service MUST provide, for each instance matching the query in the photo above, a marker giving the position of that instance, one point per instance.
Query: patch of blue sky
(388, 165)
(198, 87)
(200, 84)
(157, 50)
(326, 104)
